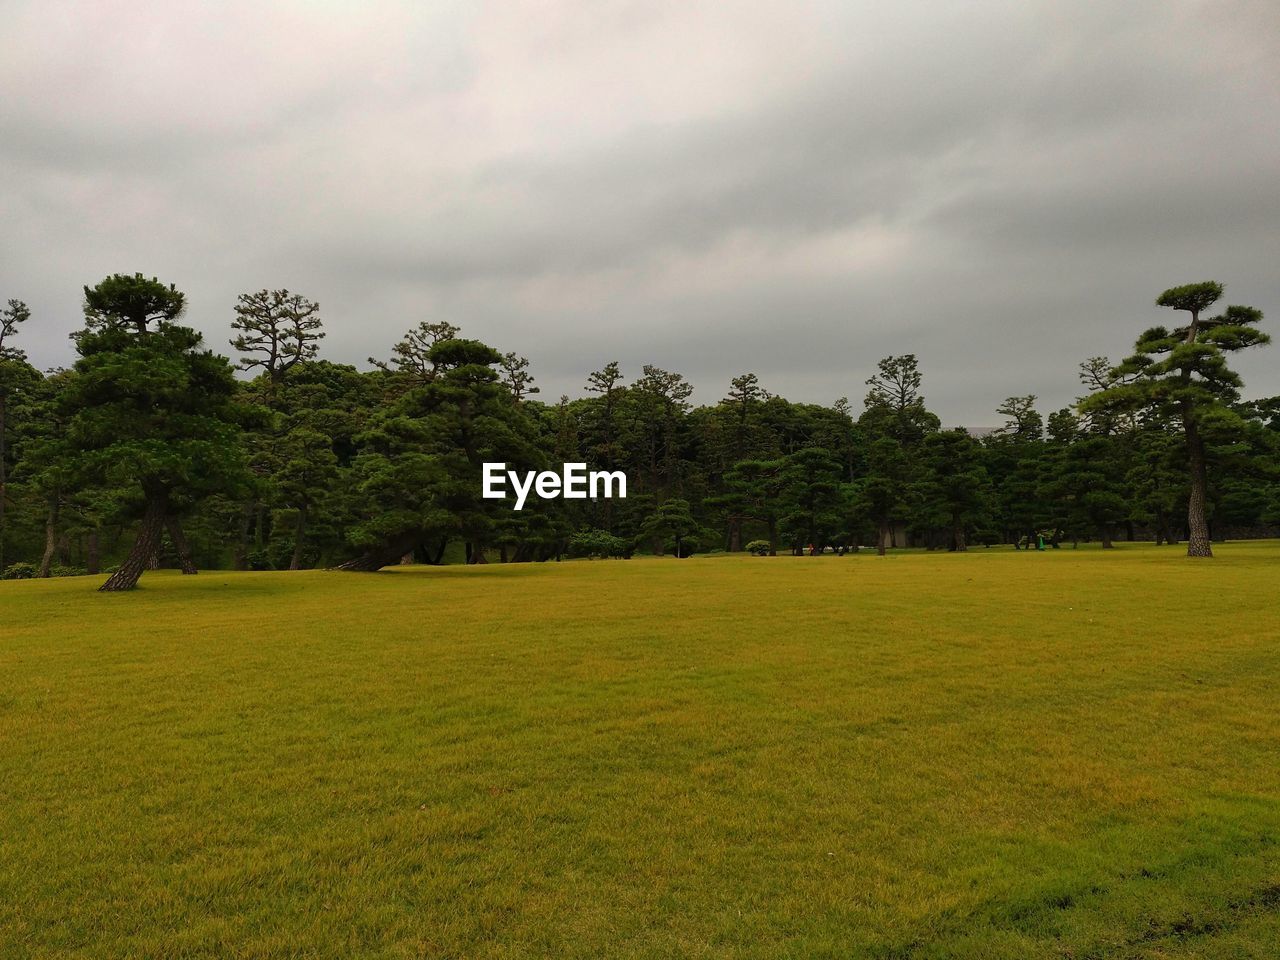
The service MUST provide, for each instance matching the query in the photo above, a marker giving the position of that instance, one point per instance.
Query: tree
(881, 495)
(15, 375)
(1022, 422)
(149, 407)
(608, 383)
(660, 402)
(1158, 480)
(130, 304)
(1014, 456)
(672, 522)
(601, 425)
(46, 460)
(1084, 484)
(811, 500)
(11, 318)
(894, 406)
(420, 469)
(516, 377)
(279, 330)
(745, 394)
(753, 492)
(731, 433)
(1182, 374)
(307, 469)
(411, 357)
(955, 491)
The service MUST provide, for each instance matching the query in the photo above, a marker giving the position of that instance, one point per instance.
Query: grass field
(1070, 754)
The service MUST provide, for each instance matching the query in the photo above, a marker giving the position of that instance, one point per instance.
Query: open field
(1069, 754)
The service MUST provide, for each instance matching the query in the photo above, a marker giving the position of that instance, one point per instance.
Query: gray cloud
(800, 189)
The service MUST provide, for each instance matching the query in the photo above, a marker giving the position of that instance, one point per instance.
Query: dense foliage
(149, 451)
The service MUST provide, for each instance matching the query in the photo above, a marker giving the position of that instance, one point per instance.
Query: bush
(58, 570)
(598, 543)
(19, 571)
(758, 548)
(260, 560)
(689, 545)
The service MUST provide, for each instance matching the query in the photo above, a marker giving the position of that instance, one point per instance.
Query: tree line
(149, 450)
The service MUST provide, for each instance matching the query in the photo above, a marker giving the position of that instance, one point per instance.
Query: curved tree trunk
(50, 536)
(1198, 542)
(144, 548)
(180, 545)
(385, 555)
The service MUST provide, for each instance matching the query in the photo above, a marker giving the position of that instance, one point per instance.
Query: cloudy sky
(795, 189)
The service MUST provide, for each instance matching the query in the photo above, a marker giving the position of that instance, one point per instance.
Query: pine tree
(1182, 375)
(148, 407)
(278, 330)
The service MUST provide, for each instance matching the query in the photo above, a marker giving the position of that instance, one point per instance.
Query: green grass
(1065, 754)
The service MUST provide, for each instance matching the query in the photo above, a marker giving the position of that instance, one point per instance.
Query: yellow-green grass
(1064, 754)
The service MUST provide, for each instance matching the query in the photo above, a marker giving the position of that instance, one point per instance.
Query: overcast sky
(795, 189)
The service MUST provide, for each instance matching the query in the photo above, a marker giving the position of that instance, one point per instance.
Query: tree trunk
(241, 561)
(50, 536)
(439, 557)
(773, 537)
(385, 555)
(882, 543)
(299, 532)
(149, 534)
(957, 531)
(1198, 543)
(92, 561)
(1106, 537)
(180, 545)
(735, 535)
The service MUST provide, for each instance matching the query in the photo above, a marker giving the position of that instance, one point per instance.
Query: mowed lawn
(1065, 754)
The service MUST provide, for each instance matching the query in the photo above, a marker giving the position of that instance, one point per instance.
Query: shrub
(58, 570)
(758, 548)
(260, 560)
(689, 545)
(19, 571)
(597, 543)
